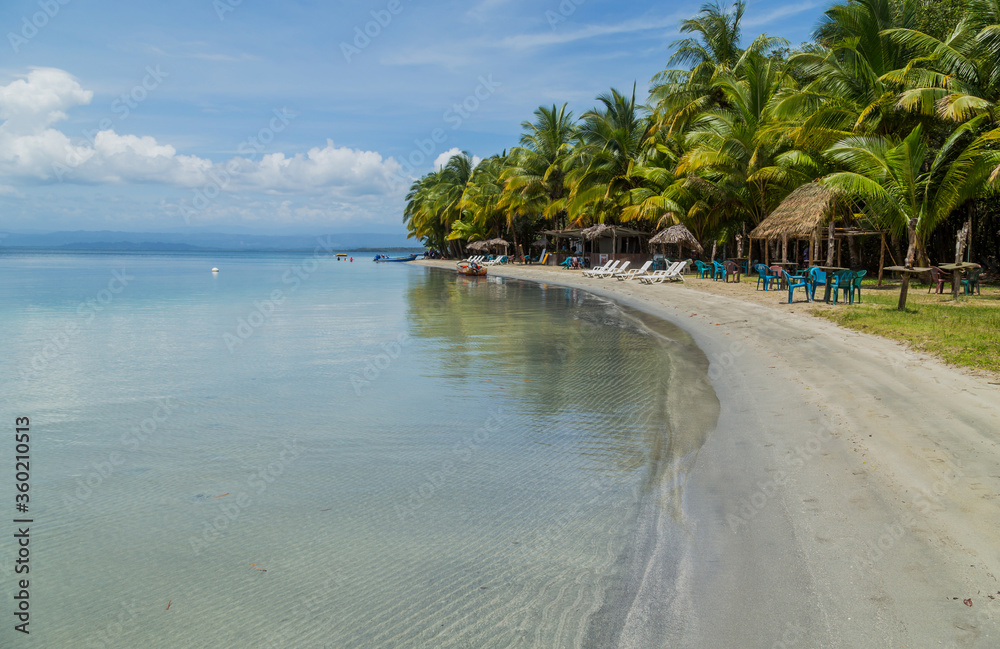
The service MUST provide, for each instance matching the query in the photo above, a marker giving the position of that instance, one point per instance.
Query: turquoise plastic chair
(854, 286)
(816, 278)
(718, 271)
(841, 279)
(702, 269)
(971, 281)
(764, 275)
(796, 281)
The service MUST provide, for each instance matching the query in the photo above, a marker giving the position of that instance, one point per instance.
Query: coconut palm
(614, 142)
(896, 180)
(681, 94)
(535, 176)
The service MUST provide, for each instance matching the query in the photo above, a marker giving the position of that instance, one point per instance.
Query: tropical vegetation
(893, 106)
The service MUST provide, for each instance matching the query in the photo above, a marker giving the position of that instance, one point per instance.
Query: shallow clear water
(299, 452)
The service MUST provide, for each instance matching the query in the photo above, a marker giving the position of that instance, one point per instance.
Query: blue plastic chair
(854, 286)
(796, 281)
(702, 269)
(816, 278)
(764, 275)
(841, 279)
(718, 271)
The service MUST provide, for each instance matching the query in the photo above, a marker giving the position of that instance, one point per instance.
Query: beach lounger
(635, 272)
(620, 270)
(606, 268)
(611, 270)
(673, 273)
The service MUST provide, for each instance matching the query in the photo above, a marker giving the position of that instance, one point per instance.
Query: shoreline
(848, 496)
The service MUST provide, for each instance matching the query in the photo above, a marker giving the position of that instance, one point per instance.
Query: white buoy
(215, 270)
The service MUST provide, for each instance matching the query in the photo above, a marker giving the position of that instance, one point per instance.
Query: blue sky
(296, 116)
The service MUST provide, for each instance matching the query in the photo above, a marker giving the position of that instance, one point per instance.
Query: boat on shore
(471, 268)
(381, 258)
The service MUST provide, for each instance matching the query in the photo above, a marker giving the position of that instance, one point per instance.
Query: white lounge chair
(600, 269)
(608, 270)
(656, 277)
(635, 272)
(621, 270)
(502, 259)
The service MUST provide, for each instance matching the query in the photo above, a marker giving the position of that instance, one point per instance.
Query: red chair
(779, 272)
(940, 278)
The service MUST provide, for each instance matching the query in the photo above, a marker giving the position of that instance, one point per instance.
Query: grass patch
(965, 333)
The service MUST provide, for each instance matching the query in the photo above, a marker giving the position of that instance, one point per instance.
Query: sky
(297, 117)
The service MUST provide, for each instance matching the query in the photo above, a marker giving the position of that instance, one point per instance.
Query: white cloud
(442, 160)
(31, 150)
(752, 20)
(40, 99)
(557, 37)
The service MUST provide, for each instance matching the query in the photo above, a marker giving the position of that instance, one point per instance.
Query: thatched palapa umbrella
(799, 216)
(496, 243)
(679, 235)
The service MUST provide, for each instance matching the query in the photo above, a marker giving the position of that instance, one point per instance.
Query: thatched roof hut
(477, 246)
(594, 231)
(497, 243)
(677, 234)
(808, 207)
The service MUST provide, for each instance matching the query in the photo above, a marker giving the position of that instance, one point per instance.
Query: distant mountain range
(106, 240)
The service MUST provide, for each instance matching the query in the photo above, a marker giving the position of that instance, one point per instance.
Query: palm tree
(681, 94)
(535, 176)
(614, 142)
(852, 88)
(892, 180)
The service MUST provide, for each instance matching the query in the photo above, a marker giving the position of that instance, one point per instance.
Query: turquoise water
(300, 452)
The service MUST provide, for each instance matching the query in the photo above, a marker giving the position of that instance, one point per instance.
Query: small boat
(381, 258)
(471, 268)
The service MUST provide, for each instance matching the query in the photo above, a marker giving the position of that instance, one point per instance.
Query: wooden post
(881, 258)
(714, 245)
(767, 252)
(903, 290)
(838, 252)
(784, 246)
(961, 238)
(829, 245)
(908, 263)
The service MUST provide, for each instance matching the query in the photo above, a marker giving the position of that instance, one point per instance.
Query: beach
(846, 498)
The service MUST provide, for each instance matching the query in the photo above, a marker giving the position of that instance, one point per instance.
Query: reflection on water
(396, 457)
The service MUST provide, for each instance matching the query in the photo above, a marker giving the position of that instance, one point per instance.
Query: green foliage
(894, 106)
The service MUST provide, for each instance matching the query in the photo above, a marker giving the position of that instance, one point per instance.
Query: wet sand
(849, 495)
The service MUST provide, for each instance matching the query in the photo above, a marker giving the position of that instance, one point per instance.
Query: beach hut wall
(677, 234)
(798, 216)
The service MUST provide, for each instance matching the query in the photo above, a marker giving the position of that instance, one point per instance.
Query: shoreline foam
(848, 496)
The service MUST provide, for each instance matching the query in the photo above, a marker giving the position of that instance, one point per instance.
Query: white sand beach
(848, 496)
